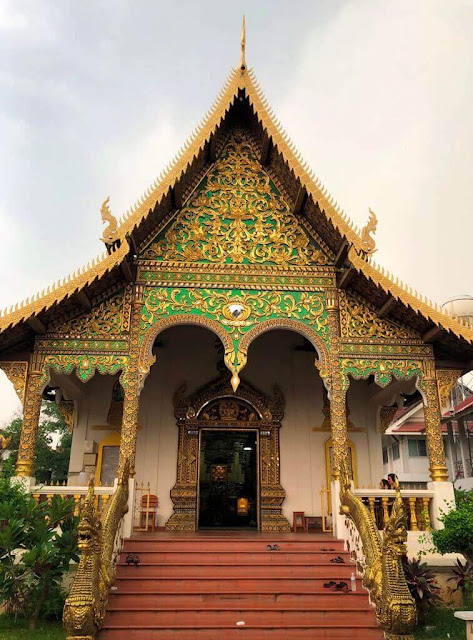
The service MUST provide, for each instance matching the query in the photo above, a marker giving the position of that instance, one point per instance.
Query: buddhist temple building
(237, 347)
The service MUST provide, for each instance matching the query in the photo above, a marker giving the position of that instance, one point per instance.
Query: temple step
(231, 586)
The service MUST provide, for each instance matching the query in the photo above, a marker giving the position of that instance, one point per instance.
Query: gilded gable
(237, 216)
(109, 318)
(358, 320)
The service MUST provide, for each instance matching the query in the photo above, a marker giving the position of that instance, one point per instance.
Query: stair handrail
(380, 561)
(100, 540)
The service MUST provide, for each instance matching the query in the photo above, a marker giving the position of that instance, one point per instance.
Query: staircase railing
(100, 539)
(379, 560)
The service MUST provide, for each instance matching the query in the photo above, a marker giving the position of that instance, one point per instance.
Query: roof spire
(243, 44)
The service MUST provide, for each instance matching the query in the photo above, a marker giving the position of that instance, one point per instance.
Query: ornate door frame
(216, 405)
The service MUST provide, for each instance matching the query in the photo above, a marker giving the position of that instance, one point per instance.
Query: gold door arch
(213, 405)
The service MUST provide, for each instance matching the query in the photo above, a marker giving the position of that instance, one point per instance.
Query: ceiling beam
(432, 334)
(36, 324)
(387, 307)
(300, 200)
(342, 254)
(176, 195)
(266, 150)
(346, 277)
(83, 299)
(126, 270)
(212, 149)
(132, 242)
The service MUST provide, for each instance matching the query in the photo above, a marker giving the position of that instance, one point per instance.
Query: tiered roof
(241, 101)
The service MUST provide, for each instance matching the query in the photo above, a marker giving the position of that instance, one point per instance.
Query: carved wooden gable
(111, 317)
(358, 320)
(237, 216)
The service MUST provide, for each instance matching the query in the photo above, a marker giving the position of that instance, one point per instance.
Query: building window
(385, 456)
(417, 448)
(395, 451)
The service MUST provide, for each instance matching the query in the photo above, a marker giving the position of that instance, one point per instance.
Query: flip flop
(330, 585)
(338, 560)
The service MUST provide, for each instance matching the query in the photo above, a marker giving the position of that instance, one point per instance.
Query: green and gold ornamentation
(383, 370)
(84, 366)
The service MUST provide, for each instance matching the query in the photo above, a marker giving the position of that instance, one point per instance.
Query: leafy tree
(457, 535)
(37, 543)
(50, 463)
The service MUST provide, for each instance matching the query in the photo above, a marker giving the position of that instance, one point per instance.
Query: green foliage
(423, 586)
(11, 629)
(457, 535)
(463, 580)
(441, 624)
(37, 543)
(50, 464)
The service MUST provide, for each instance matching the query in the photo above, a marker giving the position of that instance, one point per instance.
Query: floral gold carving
(383, 370)
(215, 404)
(16, 372)
(446, 380)
(105, 319)
(433, 427)
(29, 430)
(357, 320)
(237, 216)
(84, 365)
(66, 411)
(386, 415)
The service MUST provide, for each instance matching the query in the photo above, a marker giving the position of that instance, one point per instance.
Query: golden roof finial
(243, 45)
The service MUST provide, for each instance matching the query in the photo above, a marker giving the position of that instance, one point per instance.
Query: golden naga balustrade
(99, 543)
(379, 560)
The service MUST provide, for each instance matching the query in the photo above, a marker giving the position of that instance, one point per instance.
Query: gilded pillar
(132, 381)
(338, 390)
(433, 426)
(31, 413)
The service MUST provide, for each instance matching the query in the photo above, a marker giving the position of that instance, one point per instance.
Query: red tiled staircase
(200, 587)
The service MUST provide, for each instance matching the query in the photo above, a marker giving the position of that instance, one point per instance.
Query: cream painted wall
(191, 354)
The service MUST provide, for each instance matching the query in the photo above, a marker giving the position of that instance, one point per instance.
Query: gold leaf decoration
(237, 216)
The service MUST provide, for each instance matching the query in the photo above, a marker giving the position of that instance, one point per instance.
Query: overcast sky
(97, 96)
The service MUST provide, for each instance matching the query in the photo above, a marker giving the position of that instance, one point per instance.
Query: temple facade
(236, 341)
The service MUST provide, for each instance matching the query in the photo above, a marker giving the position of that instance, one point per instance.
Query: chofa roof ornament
(368, 244)
(110, 232)
(243, 45)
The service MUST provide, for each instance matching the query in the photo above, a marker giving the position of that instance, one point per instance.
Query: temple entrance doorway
(228, 479)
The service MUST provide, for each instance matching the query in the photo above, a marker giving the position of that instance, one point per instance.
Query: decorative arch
(323, 361)
(146, 357)
(215, 404)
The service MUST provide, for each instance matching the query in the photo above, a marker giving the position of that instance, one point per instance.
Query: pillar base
(439, 473)
(442, 502)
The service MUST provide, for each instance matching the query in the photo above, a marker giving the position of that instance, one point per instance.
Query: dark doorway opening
(228, 479)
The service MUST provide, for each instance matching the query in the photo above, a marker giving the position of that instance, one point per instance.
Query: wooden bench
(468, 617)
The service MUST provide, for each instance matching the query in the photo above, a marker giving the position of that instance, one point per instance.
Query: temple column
(31, 413)
(433, 428)
(132, 381)
(464, 449)
(452, 450)
(338, 390)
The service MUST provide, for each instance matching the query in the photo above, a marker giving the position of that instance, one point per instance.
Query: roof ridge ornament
(243, 44)
(368, 244)
(110, 232)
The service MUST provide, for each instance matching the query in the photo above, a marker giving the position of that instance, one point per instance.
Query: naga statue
(84, 611)
(110, 231)
(368, 243)
(383, 574)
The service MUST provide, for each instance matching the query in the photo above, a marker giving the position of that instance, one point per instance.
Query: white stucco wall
(189, 354)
